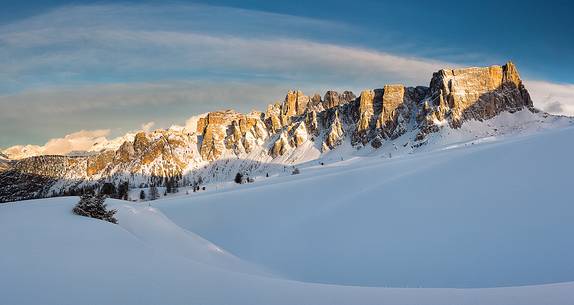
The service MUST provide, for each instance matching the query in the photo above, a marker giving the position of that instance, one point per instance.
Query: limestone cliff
(459, 95)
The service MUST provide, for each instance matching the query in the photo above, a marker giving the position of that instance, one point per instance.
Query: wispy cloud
(189, 54)
(116, 66)
(552, 98)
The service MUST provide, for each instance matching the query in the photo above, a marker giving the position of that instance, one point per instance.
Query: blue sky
(112, 66)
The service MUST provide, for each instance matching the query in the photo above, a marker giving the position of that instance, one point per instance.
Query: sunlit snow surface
(464, 213)
(484, 215)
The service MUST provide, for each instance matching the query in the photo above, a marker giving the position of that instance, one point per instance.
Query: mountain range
(393, 119)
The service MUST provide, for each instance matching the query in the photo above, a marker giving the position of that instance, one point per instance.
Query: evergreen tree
(142, 195)
(94, 207)
(174, 185)
(168, 186)
(153, 193)
(108, 189)
(238, 178)
(123, 190)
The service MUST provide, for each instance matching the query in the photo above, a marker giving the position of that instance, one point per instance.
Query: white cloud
(147, 126)
(551, 97)
(82, 140)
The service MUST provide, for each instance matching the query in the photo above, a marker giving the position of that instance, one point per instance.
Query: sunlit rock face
(334, 133)
(295, 103)
(393, 98)
(366, 113)
(459, 95)
(280, 135)
(229, 130)
(4, 163)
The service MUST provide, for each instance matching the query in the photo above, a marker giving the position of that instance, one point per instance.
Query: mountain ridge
(301, 128)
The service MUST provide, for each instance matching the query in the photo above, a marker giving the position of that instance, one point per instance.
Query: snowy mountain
(100, 144)
(392, 120)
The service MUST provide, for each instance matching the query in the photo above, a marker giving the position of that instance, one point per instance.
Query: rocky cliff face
(473, 93)
(292, 131)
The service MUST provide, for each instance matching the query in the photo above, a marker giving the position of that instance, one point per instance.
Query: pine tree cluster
(94, 207)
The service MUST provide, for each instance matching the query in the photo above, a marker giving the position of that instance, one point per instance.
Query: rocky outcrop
(97, 163)
(273, 117)
(229, 130)
(333, 98)
(281, 146)
(315, 104)
(459, 95)
(393, 98)
(4, 162)
(214, 132)
(299, 134)
(366, 113)
(311, 120)
(284, 130)
(295, 104)
(335, 134)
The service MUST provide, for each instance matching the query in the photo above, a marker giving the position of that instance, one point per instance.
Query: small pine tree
(173, 185)
(123, 190)
(238, 178)
(142, 195)
(94, 207)
(153, 193)
(108, 189)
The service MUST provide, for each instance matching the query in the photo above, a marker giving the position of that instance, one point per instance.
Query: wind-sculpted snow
(156, 230)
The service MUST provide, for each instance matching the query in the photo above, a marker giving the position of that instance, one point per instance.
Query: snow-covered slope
(480, 213)
(470, 215)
